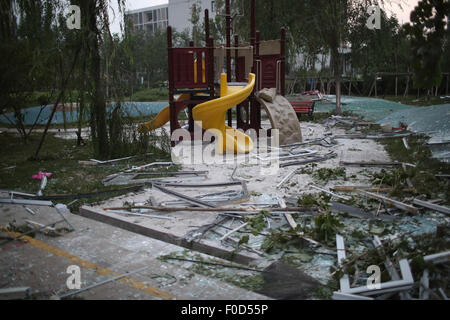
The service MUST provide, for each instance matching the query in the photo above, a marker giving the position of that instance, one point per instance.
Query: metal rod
(225, 236)
(141, 215)
(184, 197)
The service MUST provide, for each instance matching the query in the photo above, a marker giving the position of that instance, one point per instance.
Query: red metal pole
(237, 77)
(258, 84)
(258, 75)
(228, 53)
(283, 62)
(252, 24)
(210, 66)
(206, 26)
(173, 112)
(253, 102)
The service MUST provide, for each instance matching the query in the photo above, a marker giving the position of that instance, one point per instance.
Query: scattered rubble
(343, 185)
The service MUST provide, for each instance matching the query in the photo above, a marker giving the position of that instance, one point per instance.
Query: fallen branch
(395, 203)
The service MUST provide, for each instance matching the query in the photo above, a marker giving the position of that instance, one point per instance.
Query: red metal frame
(181, 63)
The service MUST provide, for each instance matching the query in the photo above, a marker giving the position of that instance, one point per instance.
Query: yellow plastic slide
(162, 117)
(212, 114)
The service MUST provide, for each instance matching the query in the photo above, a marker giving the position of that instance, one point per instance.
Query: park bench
(303, 107)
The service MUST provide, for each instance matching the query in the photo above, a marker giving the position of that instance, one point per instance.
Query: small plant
(309, 200)
(257, 223)
(326, 227)
(279, 240)
(327, 174)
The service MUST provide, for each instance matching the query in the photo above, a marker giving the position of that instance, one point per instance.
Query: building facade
(149, 19)
(175, 13)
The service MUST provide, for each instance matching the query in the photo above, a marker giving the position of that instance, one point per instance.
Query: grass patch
(60, 157)
(152, 94)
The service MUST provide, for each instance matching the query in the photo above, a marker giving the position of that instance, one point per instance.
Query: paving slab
(101, 251)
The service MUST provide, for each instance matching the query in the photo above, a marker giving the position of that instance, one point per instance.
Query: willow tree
(429, 32)
(95, 21)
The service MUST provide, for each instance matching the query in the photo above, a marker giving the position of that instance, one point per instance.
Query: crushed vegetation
(326, 226)
(423, 176)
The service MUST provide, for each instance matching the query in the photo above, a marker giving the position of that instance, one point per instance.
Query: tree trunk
(98, 124)
(337, 76)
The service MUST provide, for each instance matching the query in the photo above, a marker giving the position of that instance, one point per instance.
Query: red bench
(303, 107)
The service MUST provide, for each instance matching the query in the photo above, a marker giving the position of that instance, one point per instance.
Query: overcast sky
(402, 14)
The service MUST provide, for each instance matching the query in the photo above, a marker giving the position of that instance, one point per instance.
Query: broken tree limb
(370, 164)
(431, 206)
(367, 188)
(395, 203)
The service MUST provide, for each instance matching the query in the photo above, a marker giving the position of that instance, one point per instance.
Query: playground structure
(196, 72)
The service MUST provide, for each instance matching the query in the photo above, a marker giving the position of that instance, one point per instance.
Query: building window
(213, 6)
(150, 28)
(140, 17)
(149, 16)
(163, 14)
